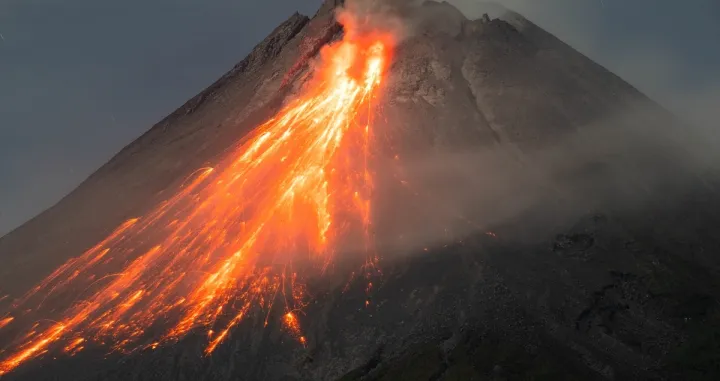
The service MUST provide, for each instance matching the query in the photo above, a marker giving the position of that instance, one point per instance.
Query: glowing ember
(6, 321)
(292, 324)
(227, 242)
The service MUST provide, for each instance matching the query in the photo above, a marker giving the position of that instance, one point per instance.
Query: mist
(627, 163)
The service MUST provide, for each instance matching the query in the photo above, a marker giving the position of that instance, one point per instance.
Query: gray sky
(79, 79)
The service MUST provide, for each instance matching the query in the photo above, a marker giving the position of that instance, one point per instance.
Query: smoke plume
(628, 163)
(369, 17)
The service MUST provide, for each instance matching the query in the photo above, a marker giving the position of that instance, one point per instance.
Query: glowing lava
(228, 241)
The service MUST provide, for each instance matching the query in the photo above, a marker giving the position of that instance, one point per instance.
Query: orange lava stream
(230, 239)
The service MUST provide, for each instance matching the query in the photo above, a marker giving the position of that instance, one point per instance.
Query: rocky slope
(579, 281)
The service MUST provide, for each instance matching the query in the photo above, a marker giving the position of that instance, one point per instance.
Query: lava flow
(232, 239)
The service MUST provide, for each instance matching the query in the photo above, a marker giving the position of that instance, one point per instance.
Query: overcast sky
(80, 79)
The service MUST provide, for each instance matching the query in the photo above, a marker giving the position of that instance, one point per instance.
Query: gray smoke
(364, 17)
(621, 163)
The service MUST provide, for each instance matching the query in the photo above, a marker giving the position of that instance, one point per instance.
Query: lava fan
(231, 238)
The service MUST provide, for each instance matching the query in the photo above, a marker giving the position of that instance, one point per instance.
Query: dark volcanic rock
(612, 292)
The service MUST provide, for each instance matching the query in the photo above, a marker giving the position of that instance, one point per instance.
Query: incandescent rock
(558, 290)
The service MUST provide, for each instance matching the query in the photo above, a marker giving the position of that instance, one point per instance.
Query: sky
(80, 79)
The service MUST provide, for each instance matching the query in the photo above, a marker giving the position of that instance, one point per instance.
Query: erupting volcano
(231, 238)
(404, 194)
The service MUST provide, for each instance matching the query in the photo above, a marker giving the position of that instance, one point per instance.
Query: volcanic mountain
(535, 217)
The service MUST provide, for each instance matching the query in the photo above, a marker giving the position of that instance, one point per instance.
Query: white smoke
(365, 17)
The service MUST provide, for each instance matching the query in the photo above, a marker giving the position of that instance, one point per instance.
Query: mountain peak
(502, 255)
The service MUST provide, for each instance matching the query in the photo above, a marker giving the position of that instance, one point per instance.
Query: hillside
(540, 218)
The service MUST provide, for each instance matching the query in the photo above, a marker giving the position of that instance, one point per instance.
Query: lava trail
(233, 237)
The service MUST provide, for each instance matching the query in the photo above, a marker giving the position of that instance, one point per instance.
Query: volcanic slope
(574, 279)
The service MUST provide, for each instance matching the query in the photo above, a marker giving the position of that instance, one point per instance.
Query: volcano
(383, 192)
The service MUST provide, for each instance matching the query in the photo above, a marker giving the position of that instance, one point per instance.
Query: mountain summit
(535, 217)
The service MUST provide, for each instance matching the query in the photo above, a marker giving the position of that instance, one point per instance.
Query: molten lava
(230, 240)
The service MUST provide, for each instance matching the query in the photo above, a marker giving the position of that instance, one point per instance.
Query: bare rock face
(525, 86)
(613, 293)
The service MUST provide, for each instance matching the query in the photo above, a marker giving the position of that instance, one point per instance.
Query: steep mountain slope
(206, 126)
(579, 280)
